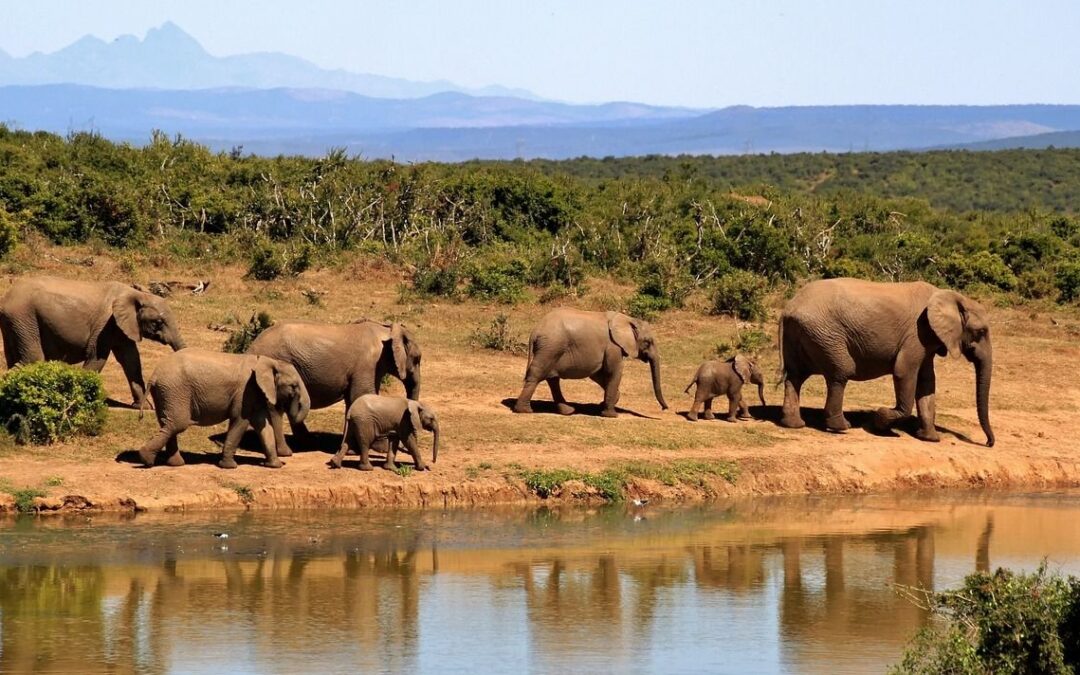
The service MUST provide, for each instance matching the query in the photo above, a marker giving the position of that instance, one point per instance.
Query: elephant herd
(842, 329)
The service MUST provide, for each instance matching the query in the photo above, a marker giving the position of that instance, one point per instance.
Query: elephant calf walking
(573, 344)
(197, 387)
(849, 329)
(725, 378)
(372, 418)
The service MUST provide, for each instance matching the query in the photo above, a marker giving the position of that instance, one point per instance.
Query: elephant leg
(365, 436)
(925, 401)
(524, 399)
(413, 447)
(733, 408)
(611, 392)
(698, 400)
(127, 355)
(237, 427)
(172, 453)
(744, 408)
(708, 412)
(834, 406)
(792, 416)
(556, 395)
(391, 456)
(904, 385)
(165, 435)
(268, 440)
(277, 425)
(346, 441)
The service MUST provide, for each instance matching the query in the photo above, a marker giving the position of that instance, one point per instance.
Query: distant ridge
(1055, 139)
(169, 58)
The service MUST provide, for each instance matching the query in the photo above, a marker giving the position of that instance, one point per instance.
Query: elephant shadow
(588, 409)
(859, 419)
(132, 457)
(313, 441)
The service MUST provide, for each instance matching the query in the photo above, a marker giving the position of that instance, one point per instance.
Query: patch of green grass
(403, 470)
(611, 482)
(54, 481)
(484, 466)
(24, 497)
(247, 497)
(472, 472)
(546, 481)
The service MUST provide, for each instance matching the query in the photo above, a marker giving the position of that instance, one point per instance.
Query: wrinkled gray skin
(573, 344)
(195, 387)
(848, 329)
(725, 378)
(50, 319)
(343, 361)
(372, 417)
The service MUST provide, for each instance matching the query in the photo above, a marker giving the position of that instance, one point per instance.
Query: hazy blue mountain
(1056, 139)
(453, 126)
(169, 58)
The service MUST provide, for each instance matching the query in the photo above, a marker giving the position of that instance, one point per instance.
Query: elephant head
(143, 315)
(635, 338)
(402, 349)
(280, 383)
(423, 417)
(748, 371)
(962, 327)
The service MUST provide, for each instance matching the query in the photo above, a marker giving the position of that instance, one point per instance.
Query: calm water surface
(770, 585)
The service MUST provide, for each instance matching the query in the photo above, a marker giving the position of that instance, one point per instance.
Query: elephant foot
(731, 418)
(522, 408)
(792, 422)
(366, 467)
(929, 435)
(565, 408)
(174, 459)
(884, 418)
(335, 462)
(276, 464)
(389, 466)
(227, 463)
(708, 416)
(692, 416)
(608, 412)
(147, 457)
(747, 416)
(837, 423)
(284, 452)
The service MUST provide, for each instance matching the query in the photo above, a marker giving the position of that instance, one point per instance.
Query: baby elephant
(717, 377)
(373, 417)
(197, 387)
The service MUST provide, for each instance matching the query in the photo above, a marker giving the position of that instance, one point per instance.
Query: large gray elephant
(573, 344)
(50, 319)
(849, 329)
(372, 418)
(343, 361)
(198, 387)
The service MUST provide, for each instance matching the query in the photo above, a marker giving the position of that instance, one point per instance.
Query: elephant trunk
(435, 442)
(412, 386)
(761, 392)
(983, 368)
(176, 342)
(300, 407)
(654, 365)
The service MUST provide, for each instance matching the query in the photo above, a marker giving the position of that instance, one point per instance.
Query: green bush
(9, 232)
(501, 281)
(1067, 280)
(499, 337)
(982, 267)
(747, 341)
(240, 339)
(270, 261)
(647, 307)
(437, 274)
(50, 401)
(1005, 622)
(740, 294)
(1037, 284)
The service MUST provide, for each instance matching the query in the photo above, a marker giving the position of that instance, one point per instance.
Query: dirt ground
(486, 448)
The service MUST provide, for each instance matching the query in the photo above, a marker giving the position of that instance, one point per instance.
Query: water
(770, 585)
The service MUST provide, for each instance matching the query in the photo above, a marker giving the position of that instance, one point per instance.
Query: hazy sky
(686, 52)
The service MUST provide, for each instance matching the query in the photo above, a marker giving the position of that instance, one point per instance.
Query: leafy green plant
(1067, 280)
(981, 267)
(240, 339)
(54, 481)
(748, 341)
(49, 401)
(499, 337)
(9, 232)
(1005, 622)
(502, 282)
(24, 498)
(403, 470)
(740, 294)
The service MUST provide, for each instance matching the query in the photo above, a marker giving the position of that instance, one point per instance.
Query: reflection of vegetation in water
(611, 483)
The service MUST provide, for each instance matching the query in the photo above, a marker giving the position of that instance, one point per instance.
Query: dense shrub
(1005, 622)
(9, 232)
(740, 294)
(1067, 278)
(982, 267)
(50, 401)
(270, 261)
(499, 337)
(500, 281)
(240, 339)
(749, 341)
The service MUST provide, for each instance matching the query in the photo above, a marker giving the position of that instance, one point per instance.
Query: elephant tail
(692, 383)
(780, 345)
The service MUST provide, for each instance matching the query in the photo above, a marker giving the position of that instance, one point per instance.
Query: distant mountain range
(272, 103)
(169, 58)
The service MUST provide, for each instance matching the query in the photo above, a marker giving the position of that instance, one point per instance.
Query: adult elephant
(343, 361)
(849, 329)
(573, 344)
(49, 319)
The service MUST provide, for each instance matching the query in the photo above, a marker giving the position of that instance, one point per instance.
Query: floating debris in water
(221, 535)
(640, 502)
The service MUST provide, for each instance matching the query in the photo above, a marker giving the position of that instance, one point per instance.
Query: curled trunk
(299, 407)
(654, 365)
(983, 368)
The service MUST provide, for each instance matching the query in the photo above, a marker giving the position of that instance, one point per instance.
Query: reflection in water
(756, 586)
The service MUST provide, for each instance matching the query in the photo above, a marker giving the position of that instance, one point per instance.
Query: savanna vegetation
(726, 231)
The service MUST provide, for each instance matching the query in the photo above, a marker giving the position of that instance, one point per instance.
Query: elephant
(717, 377)
(51, 319)
(203, 388)
(343, 361)
(574, 344)
(372, 417)
(850, 329)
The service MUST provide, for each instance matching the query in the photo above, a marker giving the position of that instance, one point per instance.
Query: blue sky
(677, 52)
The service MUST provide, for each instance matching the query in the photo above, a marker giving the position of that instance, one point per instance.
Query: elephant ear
(414, 416)
(264, 373)
(741, 365)
(944, 311)
(399, 336)
(623, 332)
(125, 311)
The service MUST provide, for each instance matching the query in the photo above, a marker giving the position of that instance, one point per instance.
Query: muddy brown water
(765, 585)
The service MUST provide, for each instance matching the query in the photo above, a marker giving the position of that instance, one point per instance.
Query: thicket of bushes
(731, 228)
(50, 401)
